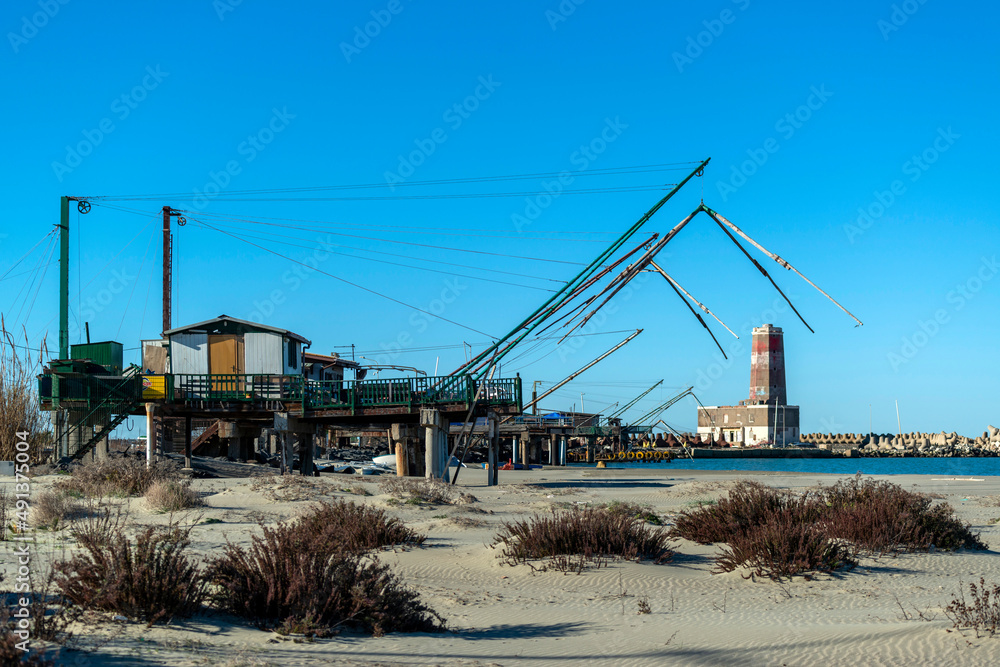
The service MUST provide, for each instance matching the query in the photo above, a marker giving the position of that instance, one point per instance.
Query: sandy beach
(887, 611)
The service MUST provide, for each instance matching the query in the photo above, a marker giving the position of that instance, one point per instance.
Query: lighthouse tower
(767, 367)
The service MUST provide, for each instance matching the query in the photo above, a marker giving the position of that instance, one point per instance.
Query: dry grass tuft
(290, 488)
(414, 491)
(120, 476)
(50, 508)
(20, 414)
(172, 496)
(643, 512)
(467, 521)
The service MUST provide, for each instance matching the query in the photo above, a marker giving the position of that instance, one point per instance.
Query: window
(293, 357)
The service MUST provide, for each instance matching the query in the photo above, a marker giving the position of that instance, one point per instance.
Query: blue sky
(857, 140)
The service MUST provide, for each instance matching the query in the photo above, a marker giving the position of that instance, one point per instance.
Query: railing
(90, 389)
(111, 400)
(505, 391)
(344, 394)
(239, 388)
(583, 426)
(411, 392)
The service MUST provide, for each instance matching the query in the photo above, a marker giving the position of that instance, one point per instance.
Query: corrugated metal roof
(327, 360)
(248, 324)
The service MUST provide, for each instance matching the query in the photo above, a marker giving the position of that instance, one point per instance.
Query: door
(225, 360)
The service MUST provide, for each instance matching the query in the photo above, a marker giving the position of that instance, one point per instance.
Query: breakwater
(909, 444)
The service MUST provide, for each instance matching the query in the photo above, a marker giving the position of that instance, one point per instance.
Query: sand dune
(886, 612)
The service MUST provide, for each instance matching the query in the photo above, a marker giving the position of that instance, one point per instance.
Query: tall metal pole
(574, 375)
(167, 267)
(532, 321)
(64, 278)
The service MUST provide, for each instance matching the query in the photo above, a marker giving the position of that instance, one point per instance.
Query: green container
(107, 354)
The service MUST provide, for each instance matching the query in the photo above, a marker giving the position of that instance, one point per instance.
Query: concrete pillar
(232, 445)
(288, 452)
(398, 444)
(563, 446)
(306, 454)
(187, 442)
(150, 433)
(514, 454)
(167, 436)
(436, 444)
(492, 450)
(525, 448)
(553, 450)
(101, 450)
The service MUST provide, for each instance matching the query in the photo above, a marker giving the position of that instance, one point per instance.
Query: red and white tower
(767, 367)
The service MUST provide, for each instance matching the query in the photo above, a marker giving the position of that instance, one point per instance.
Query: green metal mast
(623, 410)
(64, 278)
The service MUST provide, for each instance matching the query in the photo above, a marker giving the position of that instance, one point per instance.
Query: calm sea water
(839, 466)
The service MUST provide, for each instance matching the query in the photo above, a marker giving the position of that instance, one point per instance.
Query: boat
(388, 462)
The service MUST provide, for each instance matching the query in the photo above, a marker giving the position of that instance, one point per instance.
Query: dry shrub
(778, 534)
(881, 517)
(52, 614)
(11, 655)
(983, 615)
(352, 527)
(171, 496)
(432, 491)
(20, 412)
(783, 545)
(291, 581)
(101, 522)
(150, 578)
(118, 476)
(568, 540)
(748, 505)
(49, 508)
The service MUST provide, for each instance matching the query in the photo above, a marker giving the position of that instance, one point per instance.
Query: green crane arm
(541, 313)
(635, 400)
(658, 410)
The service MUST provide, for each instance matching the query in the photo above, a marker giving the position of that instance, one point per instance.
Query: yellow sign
(154, 387)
